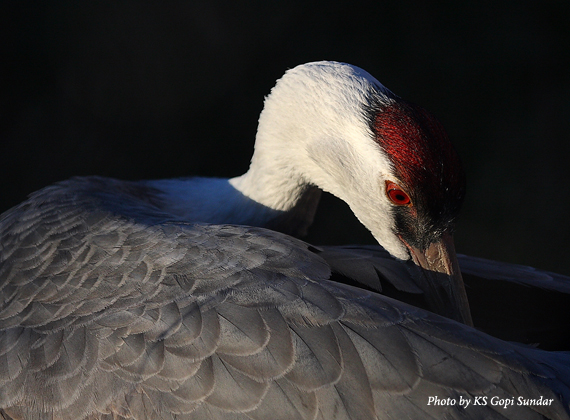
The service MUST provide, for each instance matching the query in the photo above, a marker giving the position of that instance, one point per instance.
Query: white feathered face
(406, 185)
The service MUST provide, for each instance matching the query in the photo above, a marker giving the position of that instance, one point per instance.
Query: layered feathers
(112, 308)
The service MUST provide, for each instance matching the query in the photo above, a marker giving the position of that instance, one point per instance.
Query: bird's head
(335, 126)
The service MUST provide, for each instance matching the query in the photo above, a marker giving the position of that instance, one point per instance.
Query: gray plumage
(112, 307)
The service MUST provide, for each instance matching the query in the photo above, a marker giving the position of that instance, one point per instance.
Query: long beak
(442, 282)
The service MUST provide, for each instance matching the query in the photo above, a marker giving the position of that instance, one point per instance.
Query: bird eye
(396, 194)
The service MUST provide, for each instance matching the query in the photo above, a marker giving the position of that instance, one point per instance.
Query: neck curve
(312, 132)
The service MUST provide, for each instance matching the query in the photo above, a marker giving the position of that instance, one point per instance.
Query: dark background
(137, 89)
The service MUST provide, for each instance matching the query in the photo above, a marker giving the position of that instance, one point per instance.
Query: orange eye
(396, 194)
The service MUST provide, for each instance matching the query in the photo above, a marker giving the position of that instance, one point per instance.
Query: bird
(193, 298)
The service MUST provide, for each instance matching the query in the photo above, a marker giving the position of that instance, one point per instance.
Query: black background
(137, 89)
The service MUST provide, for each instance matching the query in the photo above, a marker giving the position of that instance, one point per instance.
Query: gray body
(113, 307)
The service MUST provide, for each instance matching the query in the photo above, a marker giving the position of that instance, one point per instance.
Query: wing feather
(110, 308)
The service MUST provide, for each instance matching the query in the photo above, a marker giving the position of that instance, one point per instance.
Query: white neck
(311, 114)
(312, 132)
